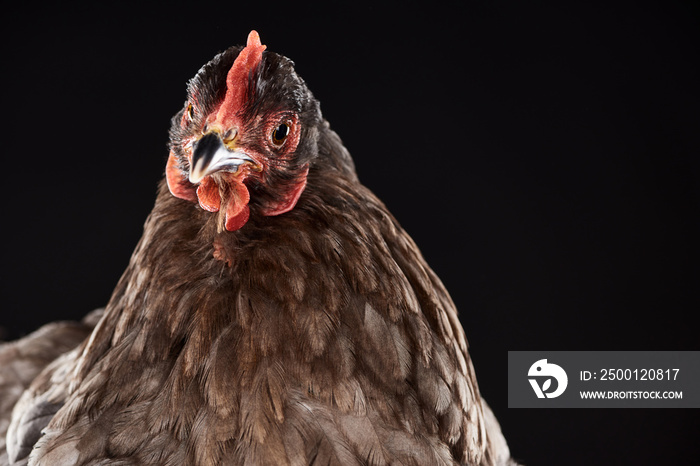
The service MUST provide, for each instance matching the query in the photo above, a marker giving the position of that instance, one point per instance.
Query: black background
(544, 158)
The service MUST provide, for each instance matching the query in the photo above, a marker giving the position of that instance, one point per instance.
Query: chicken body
(273, 312)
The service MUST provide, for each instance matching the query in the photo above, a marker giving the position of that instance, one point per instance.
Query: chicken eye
(190, 111)
(280, 133)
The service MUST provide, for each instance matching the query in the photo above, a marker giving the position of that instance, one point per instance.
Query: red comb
(237, 79)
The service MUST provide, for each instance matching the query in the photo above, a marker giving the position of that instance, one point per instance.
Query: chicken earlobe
(178, 184)
(290, 198)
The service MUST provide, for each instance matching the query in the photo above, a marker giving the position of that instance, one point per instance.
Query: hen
(273, 312)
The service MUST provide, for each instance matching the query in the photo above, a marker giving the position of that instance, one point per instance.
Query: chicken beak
(210, 154)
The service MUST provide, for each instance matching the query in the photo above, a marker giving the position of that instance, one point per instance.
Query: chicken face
(245, 137)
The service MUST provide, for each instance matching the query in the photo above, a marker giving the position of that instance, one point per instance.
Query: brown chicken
(274, 312)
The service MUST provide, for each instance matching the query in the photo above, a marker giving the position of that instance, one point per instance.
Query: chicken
(273, 312)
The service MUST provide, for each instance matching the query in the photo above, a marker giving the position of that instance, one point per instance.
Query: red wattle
(208, 195)
(238, 220)
(237, 211)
